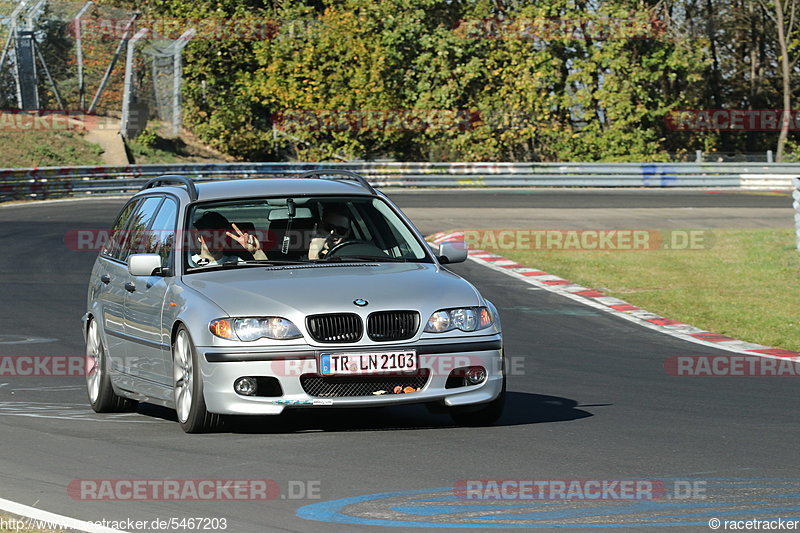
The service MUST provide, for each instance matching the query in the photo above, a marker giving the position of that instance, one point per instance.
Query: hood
(294, 292)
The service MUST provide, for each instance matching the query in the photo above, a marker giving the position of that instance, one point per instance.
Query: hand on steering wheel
(341, 245)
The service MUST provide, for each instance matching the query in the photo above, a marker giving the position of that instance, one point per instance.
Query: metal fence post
(12, 30)
(128, 86)
(26, 73)
(32, 13)
(796, 203)
(177, 73)
(79, 53)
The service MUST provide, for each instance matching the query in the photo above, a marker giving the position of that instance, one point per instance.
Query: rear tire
(485, 414)
(102, 397)
(190, 404)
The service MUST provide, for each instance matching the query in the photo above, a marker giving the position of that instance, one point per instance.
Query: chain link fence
(83, 55)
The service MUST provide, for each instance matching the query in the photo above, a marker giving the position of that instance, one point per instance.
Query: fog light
(245, 386)
(475, 375)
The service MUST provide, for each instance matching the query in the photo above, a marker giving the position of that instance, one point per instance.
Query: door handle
(130, 287)
(105, 278)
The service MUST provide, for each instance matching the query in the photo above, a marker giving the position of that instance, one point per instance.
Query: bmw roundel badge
(360, 302)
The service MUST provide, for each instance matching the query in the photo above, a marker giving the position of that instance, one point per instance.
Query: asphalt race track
(589, 400)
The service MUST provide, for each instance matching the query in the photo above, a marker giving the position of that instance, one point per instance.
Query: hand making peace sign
(247, 241)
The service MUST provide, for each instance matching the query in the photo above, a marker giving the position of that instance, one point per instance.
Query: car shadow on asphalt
(521, 408)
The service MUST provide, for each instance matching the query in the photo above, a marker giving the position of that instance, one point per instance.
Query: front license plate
(337, 364)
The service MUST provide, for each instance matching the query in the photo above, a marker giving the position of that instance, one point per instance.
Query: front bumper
(221, 367)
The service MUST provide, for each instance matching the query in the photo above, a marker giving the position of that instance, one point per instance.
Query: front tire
(190, 405)
(102, 397)
(485, 414)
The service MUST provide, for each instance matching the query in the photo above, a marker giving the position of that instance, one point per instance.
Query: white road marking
(23, 339)
(69, 412)
(52, 518)
(44, 389)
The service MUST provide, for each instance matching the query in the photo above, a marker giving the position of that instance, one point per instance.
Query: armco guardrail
(52, 182)
(796, 203)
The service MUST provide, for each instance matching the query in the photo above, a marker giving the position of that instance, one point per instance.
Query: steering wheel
(333, 251)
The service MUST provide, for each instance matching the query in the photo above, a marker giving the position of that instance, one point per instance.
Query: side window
(114, 242)
(161, 236)
(136, 235)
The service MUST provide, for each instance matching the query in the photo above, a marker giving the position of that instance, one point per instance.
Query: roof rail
(173, 179)
(348, 175)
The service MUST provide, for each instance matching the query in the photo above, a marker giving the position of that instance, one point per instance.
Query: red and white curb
(609, 304)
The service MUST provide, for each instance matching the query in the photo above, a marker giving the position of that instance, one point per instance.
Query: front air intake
(392, 325)
(335, 328)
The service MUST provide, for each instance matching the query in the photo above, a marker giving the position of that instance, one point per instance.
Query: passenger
(210, 254)
(335, 229)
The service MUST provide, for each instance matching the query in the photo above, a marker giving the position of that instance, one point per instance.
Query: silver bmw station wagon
(309, 291)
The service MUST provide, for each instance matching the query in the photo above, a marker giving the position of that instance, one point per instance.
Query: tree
(521, 81)
(783, 15)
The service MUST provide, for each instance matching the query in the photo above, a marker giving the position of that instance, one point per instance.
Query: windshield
(298, 230)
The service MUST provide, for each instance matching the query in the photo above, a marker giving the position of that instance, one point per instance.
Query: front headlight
(462, 318)
(254, 328)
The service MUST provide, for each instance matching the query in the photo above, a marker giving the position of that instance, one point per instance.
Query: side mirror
(452, 252)
(144, 264)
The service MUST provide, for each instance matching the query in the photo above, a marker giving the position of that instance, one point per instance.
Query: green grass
(46, 149)
(146, 154)
(744, 286)
(150, 147)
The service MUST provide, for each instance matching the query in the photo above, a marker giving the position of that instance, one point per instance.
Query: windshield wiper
(271, 262)
(372, 258)
(214, 266)
(251, 263)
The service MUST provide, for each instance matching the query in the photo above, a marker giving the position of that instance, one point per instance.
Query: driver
(335, 229)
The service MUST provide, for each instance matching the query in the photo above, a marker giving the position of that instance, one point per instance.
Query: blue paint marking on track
(431, 503)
